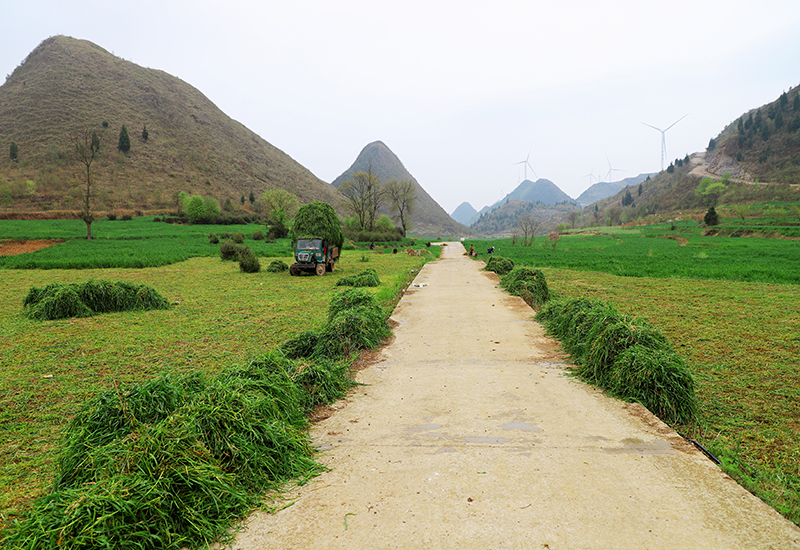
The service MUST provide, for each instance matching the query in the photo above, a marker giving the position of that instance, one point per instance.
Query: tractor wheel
(294, 271)
(320, 269)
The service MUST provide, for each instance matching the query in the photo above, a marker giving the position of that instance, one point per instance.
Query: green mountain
(67, 86)
(502, 219)
(427, 218)
(465, 214)
(541, 190)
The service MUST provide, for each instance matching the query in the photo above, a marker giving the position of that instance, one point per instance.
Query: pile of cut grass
(366, 278)
(64, 301)
(498, 264)
(527, 283)
(176, 461)
(355, 322)
(625, 356)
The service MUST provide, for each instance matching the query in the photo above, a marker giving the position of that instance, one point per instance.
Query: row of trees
(366, 195)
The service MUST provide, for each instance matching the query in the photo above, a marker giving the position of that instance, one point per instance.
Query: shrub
(498, 264)
(248, 261)
(238, 237)
(228, 251)
(224, 235)
(368, 277)
(213, 239)
(258, 236)
(528, 283)
(111, 216)
(127, 218)
(157, 219)
(277, 266)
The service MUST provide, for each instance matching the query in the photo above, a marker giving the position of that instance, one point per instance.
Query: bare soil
(12, 248)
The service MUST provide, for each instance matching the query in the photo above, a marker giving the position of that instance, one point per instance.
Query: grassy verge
(222, 318)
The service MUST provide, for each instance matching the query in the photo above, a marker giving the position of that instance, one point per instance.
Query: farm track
(468, 434)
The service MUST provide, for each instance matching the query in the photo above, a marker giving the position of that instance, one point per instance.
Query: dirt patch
(12, 248)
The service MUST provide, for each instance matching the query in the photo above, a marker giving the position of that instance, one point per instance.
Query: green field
(729, 307)
(221, 317)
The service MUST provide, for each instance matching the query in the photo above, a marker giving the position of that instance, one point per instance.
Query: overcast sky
(459, 90)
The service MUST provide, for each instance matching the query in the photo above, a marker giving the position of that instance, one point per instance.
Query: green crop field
(220, 317)
(730, 308)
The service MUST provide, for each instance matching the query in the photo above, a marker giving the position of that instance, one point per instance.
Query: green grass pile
(175, 462)
(277, 266)
(366, 278)
(625, 356)
(498, 264)
(527, 283)
(64, 301)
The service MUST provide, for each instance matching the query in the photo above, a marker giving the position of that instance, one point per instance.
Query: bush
(711, 217)
(498, 264)
(224, 235)
(258, 236)
(157, 219)
(228, 251)
(63, 301)
(111, 216)
(127, 218)
(213, 239)
(366, 278)
(277, 266)
(527, 283)
(248, 261)
(238, 237)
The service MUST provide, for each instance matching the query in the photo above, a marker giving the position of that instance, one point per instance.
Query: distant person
(488, 250)
(471, 250)
(372, 246)
(394, 251)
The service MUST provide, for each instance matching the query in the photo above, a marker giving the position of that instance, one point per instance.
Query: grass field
(741, 339)
(221, 317)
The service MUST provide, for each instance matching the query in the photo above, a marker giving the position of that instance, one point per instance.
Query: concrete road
(468, 434)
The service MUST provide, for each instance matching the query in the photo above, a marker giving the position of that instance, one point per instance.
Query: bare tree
(364, 197)
(572, 217)
(402, 195)
(87, 148)
(528, 225)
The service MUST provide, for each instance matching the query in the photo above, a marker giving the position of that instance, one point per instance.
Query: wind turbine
(590, 175)
(664, 138)
(527, 165)
(611, 169)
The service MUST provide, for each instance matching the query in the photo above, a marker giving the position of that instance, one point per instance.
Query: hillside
(541, 190)
(502, 219)
(603, 189)
(465, 214)
(68, 86)
(427, 218)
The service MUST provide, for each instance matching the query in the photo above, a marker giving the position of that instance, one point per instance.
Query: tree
(14, 151)
(627, 200)
(640, 189)
(280, 206)
(528, 226)
(710, 189)
(711, 217)
(252, 198)
(145, 133)
(572, 217)
(712, 144)
(670, 168)
(124, 143)
(87, 147)
(364, 197)
(402, 195)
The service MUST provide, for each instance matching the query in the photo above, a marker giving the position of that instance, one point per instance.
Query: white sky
(459, 90)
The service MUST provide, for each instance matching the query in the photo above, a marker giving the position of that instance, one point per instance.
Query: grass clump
(498, 264)
(277, 266)
(228, 250)
(527, 283)
(64, 301)
(302, 345)
(248, 261)
(366, 278)
(625, 356)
